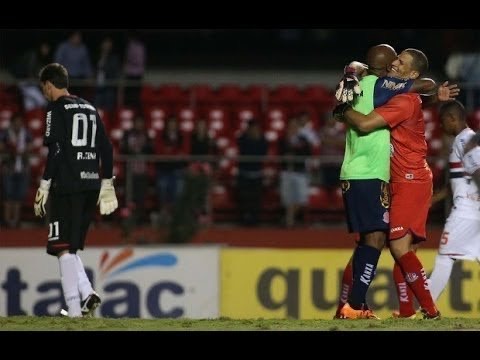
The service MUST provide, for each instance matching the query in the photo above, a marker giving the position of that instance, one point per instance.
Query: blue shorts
(367, 204)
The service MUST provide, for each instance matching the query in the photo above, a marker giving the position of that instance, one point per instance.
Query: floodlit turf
(60, 323)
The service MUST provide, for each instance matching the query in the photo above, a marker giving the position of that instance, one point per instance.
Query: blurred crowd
(269, 154)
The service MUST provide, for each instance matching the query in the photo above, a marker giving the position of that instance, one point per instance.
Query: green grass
(29, 323)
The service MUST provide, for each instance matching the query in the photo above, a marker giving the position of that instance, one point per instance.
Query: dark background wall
(255, 48)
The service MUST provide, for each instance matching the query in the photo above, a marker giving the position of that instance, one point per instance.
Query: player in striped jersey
(461, 235)
(471, 160)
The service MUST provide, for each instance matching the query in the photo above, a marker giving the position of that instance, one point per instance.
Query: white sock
(68, 272)
(440, 275)
(84, 285)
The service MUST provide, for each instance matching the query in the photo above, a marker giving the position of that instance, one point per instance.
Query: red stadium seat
(325, 205)
(319, 97)
(336, 199)
(257, 94)
(174, 95)
(474, 119)
(222, 203)
(35, 120)
(230, 94)
(123, 118)
(6, 114)
(285, 95)
(240, 116)
(276, 118)
(202, 94)
(218, 119)
(155, 117)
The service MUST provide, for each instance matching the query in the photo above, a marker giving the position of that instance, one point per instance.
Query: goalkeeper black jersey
(76, 138)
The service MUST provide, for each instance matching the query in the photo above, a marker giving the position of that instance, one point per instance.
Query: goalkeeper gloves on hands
(107, 199)
(339, 111)
(349, 87)
(41, 197)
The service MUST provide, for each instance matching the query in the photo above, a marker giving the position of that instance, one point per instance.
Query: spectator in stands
(464, 66)
(249, 178)
(134, 69)
(190, 209)
(27, 69)
(74, 55)
(137, 142)
(169, 171)
(202, 144)
(307, 130)
(17, 141)
(108, 73)
(294, 180)
(332, 136)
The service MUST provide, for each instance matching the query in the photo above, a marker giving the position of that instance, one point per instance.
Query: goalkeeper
(77, 145)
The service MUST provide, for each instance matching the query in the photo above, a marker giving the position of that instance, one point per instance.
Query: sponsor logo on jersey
(395, 229)
(79, 106)
(89, 175)
(392, 85)
(48, 123)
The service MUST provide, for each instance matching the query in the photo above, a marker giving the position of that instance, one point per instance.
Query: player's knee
(398, 248)
(61, 253)
(375, 239)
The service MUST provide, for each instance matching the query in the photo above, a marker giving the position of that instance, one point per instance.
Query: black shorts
(70, 217)
(367, 203)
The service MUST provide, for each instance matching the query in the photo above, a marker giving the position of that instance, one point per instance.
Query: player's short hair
(420, 60)
(454, 107)
(56, 73)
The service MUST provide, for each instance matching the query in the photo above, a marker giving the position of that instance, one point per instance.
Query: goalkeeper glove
(107, 199)
(41, 197)
(349, 87)
(339, 111)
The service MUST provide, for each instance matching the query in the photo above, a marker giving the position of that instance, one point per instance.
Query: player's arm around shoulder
(424, 86)
(364, 123)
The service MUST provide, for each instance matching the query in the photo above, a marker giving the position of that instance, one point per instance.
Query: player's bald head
(379, 58)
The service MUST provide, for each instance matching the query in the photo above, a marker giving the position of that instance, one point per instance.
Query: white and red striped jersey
(466, 198)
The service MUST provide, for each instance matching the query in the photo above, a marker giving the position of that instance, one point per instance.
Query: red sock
(415, 276)
(404, 293)
(347, 281)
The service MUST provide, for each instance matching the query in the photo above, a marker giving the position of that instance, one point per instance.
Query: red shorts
(409, 210)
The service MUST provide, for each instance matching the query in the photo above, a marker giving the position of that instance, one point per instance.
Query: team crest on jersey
(385, 195)
(386, 217)
(411, 277)
(345, 184)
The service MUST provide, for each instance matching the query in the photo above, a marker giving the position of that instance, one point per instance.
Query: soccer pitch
(32, 323)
